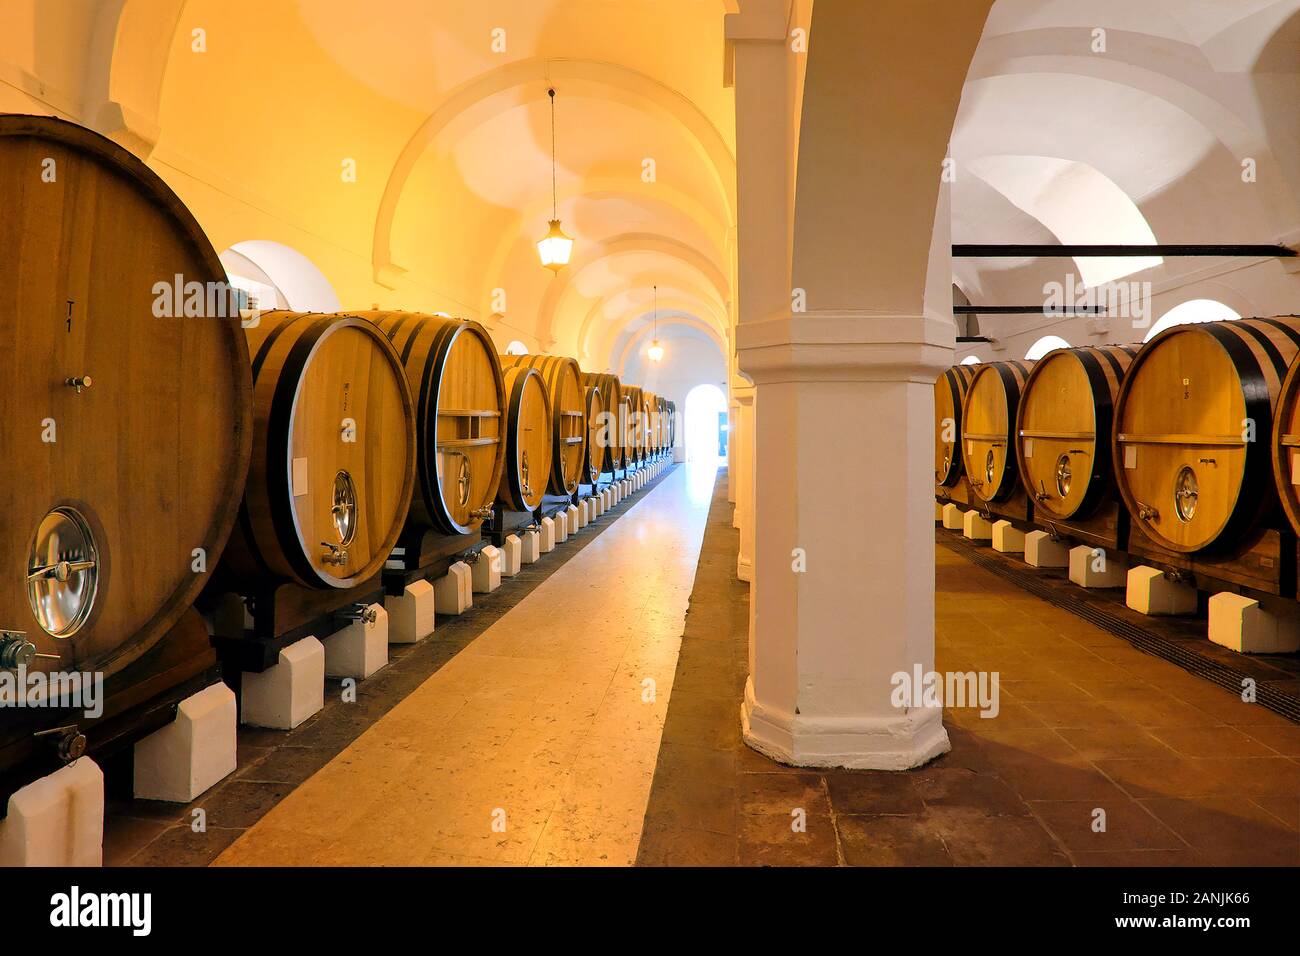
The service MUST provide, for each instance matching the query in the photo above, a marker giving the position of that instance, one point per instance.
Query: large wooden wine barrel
(528, 440)
(594, 455)
(660, 424)
(672, 424)
(635, 431)
(1286, 444)
(1193, 424)
(647, 419)
(611, 391)
(1063, 428)
(460, 399)
(988, 425)
(334, 451)
(563, 380)
(125, 407)
(949, 393)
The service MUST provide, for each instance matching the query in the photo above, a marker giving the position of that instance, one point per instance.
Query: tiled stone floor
(273, 763)
(1185, 772)
(537, 705)
(536, 744)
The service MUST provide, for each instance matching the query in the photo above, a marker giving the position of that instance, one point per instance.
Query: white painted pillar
(744, 433)
(843, 575)
(825, 643)
(731, 457)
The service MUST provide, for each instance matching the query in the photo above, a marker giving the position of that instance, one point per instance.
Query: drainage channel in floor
(1181, 642)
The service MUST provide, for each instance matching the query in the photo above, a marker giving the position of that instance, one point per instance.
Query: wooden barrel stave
(949, 392)
(594, 453)
(528, 440)
(1063, 428)
(1286, 444)
(616, 412)
(563, 380)
(988, 428)
(333, 464)
(456, 380)
(1192, 458)
(149, 459)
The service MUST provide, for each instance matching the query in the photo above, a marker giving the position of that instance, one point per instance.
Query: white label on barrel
(1029, 448)
(299, 477)
(1130, 456)
(1295, 467)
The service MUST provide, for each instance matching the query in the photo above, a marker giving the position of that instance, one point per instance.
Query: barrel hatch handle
(1147, 512)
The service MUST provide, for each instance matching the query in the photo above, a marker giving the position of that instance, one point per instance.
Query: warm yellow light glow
(555, 247)
(656, 351)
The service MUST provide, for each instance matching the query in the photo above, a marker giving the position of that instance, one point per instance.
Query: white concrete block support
(1240, 624)
(197, 749)
(1097, 568)
(1007, 538)
(952, 517)
(530, 546)
(57, 820)
(546, 533)
(359, 649)
(584, 513)
(287, 693)
(486, 571)
(573, 520)
(976, 527)
(512, 550)
(1044, 551)
(1150, 592)
(453, 591)
(411, 614)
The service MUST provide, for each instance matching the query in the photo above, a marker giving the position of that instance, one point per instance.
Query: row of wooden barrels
(1197, 431)
(153, 430)
(366, 422)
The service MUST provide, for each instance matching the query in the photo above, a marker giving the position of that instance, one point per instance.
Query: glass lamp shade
(656, 351)
(555, 247)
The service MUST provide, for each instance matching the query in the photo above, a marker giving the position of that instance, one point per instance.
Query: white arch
(516, 348)
(1048, 343)
(1176, 72)
(1078, 204)
(665, 322)
(303, 286)
(971, 360)
(526, 80)
(1192, 312)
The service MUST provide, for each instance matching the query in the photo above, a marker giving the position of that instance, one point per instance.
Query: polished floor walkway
(537, 743)
(1099, 755)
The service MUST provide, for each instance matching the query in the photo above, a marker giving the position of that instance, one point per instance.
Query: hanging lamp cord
(554, 196)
